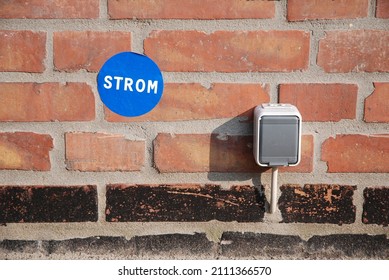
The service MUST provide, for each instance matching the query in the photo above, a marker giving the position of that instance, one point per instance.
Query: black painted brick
(376, 206)
(143, 203)
(100, 245)
(318, 203)
(233, 245)
(175, 245)
(150, 246)
(36, 204)
(351, 245)
(258, 245)
(271, 246)
(21, 246)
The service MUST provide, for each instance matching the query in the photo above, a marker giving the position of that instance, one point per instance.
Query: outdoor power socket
(277, 139)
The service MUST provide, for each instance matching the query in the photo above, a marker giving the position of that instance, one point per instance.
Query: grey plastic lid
(278, 143)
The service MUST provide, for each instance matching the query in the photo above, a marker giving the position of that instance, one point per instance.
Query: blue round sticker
(130, 84)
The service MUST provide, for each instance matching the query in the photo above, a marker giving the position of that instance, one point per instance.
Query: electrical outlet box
(277, 135)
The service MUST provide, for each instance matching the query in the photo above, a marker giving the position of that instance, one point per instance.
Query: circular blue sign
(130, 84)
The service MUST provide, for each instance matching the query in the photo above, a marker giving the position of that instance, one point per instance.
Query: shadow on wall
(231, 152)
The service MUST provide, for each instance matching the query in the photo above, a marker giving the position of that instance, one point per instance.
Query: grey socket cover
(277, 135)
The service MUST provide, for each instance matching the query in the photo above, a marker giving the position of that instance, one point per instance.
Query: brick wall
(72, 169)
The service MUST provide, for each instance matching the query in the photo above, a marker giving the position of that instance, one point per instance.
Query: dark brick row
(233, 245)
(318, 203)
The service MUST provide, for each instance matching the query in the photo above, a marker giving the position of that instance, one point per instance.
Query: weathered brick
(248, 245)
(143, 203)
(299, 10)
(77, 50)
(229, 51)
(33, 102)
(92, 246)
(103, 152)
(357, 153)
(49, 9)
(233, 245)
(174, 246)
(48, 204)
(195, 102)
(377, 104)
(190, 9)
(216, 153)
(25, 151)
(382, 9)
(321, 102)
(163, 246)
(319, 203)
(354, 51)
(376, 206)
(22, 51)
(349, 246)
(20, 246)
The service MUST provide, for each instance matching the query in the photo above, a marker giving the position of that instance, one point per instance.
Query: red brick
(195, 102)
(321, 102)
(354, 51)
(299, 10)
(357, 153)
(229, 51)
(382, 9)
(216, 153)
(190, 9)
(76, 50)
(377, 104)
(25, 151)
(27, 102)
(203, 153)
(332, 204)
(48, 204)
(49, 9)
(22, 51)
(103, 152)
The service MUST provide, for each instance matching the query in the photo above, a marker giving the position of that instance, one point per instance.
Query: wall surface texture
(79, 181)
